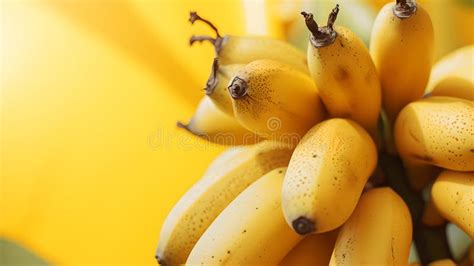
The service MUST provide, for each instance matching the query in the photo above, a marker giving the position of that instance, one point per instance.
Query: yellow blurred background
(91, 159)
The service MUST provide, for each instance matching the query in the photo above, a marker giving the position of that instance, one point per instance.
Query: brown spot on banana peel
(303, 225)
(342, 73)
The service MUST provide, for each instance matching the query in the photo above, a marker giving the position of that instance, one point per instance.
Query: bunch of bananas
(330, 151)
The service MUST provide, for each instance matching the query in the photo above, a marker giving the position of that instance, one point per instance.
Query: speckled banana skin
(326, 175)
(275, 92)
(436, 131)
(403, 51)
(347, 79)
(250, 231)
(453, 195)
(379, 231)
(226, 177)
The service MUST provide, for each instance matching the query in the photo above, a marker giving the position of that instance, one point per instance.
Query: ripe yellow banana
(453, 195)
(250, 231)
(344, 73)
(210, 123)
(275, 101)
(379, 231)
(436, 131)
(402, 49)
(313, 250)
(216, 86)
(453, 75)
(232, 49)
(226, 177)
(326, 175)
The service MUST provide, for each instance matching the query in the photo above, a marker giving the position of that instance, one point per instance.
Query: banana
(216, 85)
(275, 101)
(436, 131)
(313, 250)
(450, 22)
(211, 124)
(453, 195)
(453, 75)
(431, 216)
(443, 262)
(250, 231)
(225, 178)
(401, 46)
(326, 175)
(344, 73)
(232, 49)
(379, 231)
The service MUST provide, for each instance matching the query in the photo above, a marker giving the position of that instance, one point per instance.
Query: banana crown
(404, 8)
(321, 36)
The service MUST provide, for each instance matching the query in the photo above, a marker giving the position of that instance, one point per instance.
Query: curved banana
(436, 131)
(453, 195)
(275, 101)
(379, 231)
(250, 231)
(453, 75)
(326, 175)
(313, 250)
(344, 73)
(225, 178)
(216, 85)
(232, 49)
(211, 124)
(402, 49)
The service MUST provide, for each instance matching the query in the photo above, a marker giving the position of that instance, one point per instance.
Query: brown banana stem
(193, 17)
(332, 17)
(404, 9)
(321, 36)
(180, 124)
(311, 24)
(401, 2)
(201, 38)
(212, 80)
